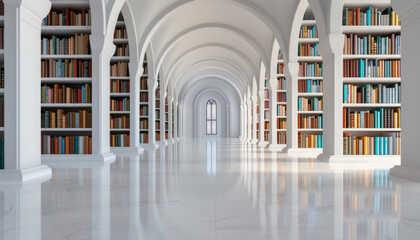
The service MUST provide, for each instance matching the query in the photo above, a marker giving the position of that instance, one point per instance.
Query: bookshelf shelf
(1, 129)
(65, 30)
(66, 105)
(310, 112)
(120, 94)
(145, 117)
(121, 41)
(372, 129)
(120, 112)
(371, 105)
(120, 78)
(120, 59)
(1, 19)
(308, 40)
(310, 59)
(310, 94)
(120, 130)
(312, 78)
(310, 130)
(308, 22)
(283, 117)
(378, 56)
(371, 80)
(83, 57)
(66, 129)
(371, 29)
(66, 80)
(1, 91)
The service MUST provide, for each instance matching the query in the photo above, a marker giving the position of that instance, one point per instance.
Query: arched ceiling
(240, 37)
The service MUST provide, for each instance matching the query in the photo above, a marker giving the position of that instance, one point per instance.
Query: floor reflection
(212, 190)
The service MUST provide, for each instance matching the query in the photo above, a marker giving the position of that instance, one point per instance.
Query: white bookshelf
(312, 41)
(120, 137)
(372, 30)
(66, 31)
(144, 107)
(281, 134)
(2, 101)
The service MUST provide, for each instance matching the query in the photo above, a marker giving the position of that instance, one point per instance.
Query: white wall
(228, 108)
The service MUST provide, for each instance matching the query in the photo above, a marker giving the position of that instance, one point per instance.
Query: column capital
(39, 8)
(407, 10)
(291, 70)
(254, 99)
(330, 44)
(273, 83)
(101, 43)
(135, 69)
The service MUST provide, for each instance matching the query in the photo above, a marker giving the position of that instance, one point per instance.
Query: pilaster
(331, 49)
(248, 126)
(291, 72)
(261, 142)
(170, 109)
(176, 120)
(242, 123)
(22, 22)
(409, 12)
(163, 95)
(152, 85)
(254, 120)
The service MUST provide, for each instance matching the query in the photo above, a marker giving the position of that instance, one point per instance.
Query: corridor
(219, 189)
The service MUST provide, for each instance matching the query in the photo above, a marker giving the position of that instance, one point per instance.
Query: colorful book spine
(144, 138)
(309, 122)
(120, 122)
(120, 140)
(378, 118)
(368, 145)
(371, 16)
(119, 69)
(68, 17)
(372, 45)
(370, 93)
(58, 93)
(310, 69)
(309, 49)
(310, 86)
(365, 68)
(122, 104)
(66, 119)
(120, 86)
(310, 104)
(66, 68)
(281, 138)
(66, 144)
(310, 140)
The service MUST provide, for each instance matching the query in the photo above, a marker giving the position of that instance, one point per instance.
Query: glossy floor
(202, 190)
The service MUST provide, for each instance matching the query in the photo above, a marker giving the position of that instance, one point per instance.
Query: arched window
(211, 117)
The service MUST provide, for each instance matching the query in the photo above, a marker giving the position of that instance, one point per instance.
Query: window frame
(211, 119)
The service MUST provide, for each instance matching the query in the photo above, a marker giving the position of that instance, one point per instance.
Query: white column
(176, 121)
(261, 142)
(409, 12)
(163, 94)
(242, 123)
(331, 50)
(22, 95)
(291, 72)
(135, 74)
(170, 102)
(248, 126)
(245, 121)
(181, 121)
(152, 85)
(273, 145)
(254, 119)
(103, 49)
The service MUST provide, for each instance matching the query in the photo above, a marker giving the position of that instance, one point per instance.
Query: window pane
(208, 127)
(208, 110)
(213, 111)
(213, 127)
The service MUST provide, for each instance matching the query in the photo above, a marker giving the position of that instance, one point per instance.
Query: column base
(410, 173)
(276, 147)
(163, 143)
(150, 146)
(177, 139)
(78, 158)
(303, 152)
(41, 173)
(172, 140)
(127, 151)
(254, 141)
(360, 159)
(262, 144)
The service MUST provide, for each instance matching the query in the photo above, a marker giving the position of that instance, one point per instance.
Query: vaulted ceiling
(237, 38)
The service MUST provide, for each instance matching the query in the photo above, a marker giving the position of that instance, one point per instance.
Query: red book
(67, 16)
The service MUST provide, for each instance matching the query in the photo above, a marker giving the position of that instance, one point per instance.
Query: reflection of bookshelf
(258, 118)
(66, 77)
(371, 81)
(144, 106)
(158, 112)
(371, 205)
(120, 89)
(309, 86)
(2, 86)
(281, 106)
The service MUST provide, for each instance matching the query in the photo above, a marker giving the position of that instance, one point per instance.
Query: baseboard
(41, 173)
(78, 158)
(150, 146)
(276, 147)
(127, 151)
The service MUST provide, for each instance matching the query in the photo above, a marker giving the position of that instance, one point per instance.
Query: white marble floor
(221, 190)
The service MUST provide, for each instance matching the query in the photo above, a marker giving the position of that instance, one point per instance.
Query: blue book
(368, 13)
(308, 85)
(64, 145)
(376, 141)
(381, 146)
(385, 147)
